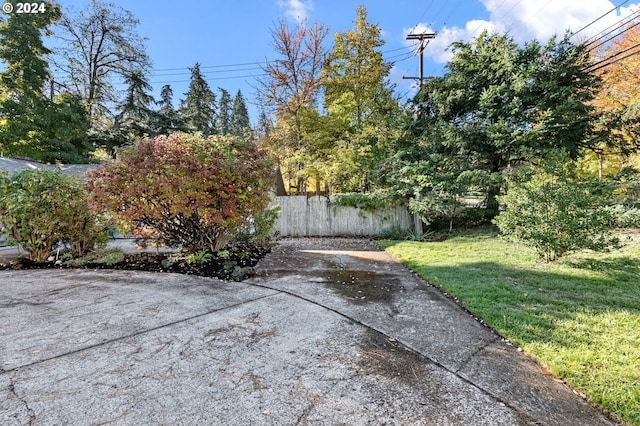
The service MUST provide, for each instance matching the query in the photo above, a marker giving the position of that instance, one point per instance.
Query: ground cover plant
(579, 316)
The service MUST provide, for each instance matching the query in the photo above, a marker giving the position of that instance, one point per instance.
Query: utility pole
(424, 39)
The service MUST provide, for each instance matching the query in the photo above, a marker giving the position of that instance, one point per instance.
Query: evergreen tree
(497, 106)
(223, 119)
(198, 106)
(240, 124)
(167, 119)
(135, 116)
(23, 105)
(67, 129)
(264, 126)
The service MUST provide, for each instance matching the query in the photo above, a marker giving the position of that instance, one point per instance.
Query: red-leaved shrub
(194, 191)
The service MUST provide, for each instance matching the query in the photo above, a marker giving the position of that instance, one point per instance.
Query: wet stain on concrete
(363, 286)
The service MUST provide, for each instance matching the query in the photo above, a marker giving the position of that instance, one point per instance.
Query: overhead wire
(606, 31)
(599, 18)
(607, 61)
(615, 30)
(481, 23)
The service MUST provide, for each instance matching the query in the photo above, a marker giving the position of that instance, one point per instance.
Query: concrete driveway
(330, 331)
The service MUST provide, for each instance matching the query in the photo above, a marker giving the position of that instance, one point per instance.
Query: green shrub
(557, 214)
(39, 208)
(263, 223)
(624, 216)
(193, 191)
(103, 256)
(394, 232)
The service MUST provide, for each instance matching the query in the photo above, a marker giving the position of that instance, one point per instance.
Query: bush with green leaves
(39, 208)
(196, 192)
(557, 214)
(263, 224)
(624, 216)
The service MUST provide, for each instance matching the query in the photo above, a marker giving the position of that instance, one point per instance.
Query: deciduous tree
(363, 114)
(290, 91)
(100, 42)
(292, 82)
(618, 103)
(356, 75)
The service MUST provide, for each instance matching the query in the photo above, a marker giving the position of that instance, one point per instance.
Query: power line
(207, 72)
(212, 66)
(495, 10)
(606, 61)
(260, 66)
(597, 19)
(449, 16)
(424, 13)
(605, 32)
(614, 36)
(210, 79)
(616, 61)
(622, 24)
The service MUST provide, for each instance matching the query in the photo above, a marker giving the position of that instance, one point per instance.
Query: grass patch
(580, 316)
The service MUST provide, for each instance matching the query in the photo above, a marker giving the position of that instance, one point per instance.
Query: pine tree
(66, 131)
(264, 126)
(23, 105)
(223, 119)
(135, 116)
(240, 124)
(167, 119)
(198, 106)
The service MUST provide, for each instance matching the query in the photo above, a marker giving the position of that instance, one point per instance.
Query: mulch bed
(237, 264)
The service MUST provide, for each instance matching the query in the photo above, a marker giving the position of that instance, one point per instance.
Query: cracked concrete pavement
(329, 331)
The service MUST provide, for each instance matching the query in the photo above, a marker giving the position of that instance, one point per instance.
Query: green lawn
(579, 316)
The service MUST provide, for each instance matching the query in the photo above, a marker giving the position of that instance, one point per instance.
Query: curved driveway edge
(330, 331)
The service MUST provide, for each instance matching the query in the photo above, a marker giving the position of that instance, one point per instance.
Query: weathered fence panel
(317, 217)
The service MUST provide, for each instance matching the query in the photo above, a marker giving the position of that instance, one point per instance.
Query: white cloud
(297, 9)
(525, 20)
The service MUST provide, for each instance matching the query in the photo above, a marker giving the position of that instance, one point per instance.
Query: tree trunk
(600, 165)
(280, 190)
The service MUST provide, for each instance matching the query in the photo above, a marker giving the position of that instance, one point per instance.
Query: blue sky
(230, 38)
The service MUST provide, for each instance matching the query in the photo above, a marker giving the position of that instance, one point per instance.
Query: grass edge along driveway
(579, 316)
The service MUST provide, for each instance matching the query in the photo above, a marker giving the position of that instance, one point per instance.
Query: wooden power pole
(424, 39)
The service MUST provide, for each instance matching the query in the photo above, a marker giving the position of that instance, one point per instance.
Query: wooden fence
(316, 216)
